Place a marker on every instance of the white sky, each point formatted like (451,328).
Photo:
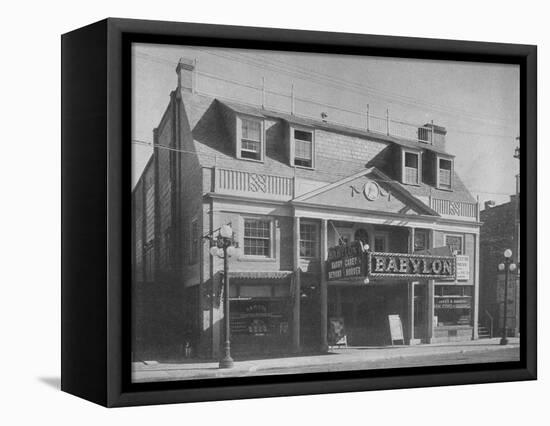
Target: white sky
(477,103)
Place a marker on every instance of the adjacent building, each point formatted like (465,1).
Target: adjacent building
(500,231)
(293,189)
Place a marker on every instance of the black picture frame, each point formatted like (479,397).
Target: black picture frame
(96,205)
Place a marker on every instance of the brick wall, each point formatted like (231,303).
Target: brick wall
(497,235)
(137,217)
(164,158)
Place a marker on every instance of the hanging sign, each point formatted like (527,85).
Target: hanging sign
(401,265)
(346,261)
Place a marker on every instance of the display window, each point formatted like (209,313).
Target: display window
(453,305)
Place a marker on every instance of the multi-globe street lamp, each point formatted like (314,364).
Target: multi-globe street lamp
(224,246)
(507,266)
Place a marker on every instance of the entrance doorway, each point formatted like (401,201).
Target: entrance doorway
(310,317)
(365,310)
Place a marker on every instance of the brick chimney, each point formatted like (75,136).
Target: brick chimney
(432,134)
(186,74)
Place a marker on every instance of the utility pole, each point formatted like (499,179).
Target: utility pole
(517,218)
(517,225)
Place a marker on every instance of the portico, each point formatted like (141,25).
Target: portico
(404,226)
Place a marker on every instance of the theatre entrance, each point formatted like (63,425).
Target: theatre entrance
(364,310)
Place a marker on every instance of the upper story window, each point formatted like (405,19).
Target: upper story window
(309,245)
(444,173)
(411,167)
(250,140)
(257,237)
(455,243)
(420,240)
(304,150)
(381,241)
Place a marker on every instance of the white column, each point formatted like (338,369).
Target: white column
(410,293)
(297,287)
(324,286)
(430,290)
(475,296)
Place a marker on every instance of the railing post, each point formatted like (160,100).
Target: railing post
(215,184)
(432,136)
(263,92)
(388,121)
(294,194)
(195,76)
(292,100)
(368,118)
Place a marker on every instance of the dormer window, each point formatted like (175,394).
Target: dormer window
(411,167)
(250,141)
(302,148)
(444,173)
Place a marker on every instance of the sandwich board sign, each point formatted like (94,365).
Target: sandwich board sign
(396,328)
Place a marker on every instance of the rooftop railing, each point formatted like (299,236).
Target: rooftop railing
(295,104)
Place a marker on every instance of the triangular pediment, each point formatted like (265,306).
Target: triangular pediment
(369,190)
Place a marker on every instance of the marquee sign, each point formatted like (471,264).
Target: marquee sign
(415,266)
(353,261)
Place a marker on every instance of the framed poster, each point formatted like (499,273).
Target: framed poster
(229,192)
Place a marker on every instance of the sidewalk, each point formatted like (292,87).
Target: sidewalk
(353,358)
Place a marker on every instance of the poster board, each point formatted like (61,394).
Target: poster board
(462,268)
(336,332)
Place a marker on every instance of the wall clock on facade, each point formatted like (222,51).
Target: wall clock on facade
(371,190)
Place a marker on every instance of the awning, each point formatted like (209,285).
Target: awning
(253,275)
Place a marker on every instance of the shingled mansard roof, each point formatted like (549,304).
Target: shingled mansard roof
(210,136)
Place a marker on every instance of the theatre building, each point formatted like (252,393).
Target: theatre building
(339,229)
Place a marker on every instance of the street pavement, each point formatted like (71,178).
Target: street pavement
(341,359)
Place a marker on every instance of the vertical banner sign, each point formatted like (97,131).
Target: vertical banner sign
(462,268)
(346,261)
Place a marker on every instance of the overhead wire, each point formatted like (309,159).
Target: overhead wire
(304,99)
(341,83)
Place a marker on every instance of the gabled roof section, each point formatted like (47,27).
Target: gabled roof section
(350,192)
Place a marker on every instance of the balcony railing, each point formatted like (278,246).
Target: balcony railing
(261,185)
(253,184)
(458,209)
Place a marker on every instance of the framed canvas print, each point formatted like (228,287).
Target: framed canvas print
(252,212)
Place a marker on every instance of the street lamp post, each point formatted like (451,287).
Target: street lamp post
(507,266)
(224,246)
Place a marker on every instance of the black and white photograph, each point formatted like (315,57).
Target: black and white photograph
(275,214)
(298,213)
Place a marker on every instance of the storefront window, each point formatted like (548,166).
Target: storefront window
(452,305)
(257,318)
